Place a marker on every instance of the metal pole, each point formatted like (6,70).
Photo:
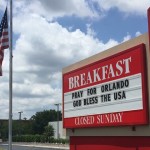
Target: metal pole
(10,79)
(20,114)
(20,122)
(57,120)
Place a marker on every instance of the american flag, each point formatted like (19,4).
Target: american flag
(4,38)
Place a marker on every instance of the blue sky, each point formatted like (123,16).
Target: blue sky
(115,25)
(52,34)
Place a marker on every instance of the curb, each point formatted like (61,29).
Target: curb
(38,146)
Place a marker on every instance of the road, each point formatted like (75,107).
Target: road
(30,147)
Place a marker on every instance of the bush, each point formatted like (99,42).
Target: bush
(38,138)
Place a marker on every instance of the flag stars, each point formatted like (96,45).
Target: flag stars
(4,23)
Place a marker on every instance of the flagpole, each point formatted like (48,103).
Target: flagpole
(10,78)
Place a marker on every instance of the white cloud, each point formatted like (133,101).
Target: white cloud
(74,7)
(138,33)
(3,5)
(135,7)
(127,37)
(42,48)
(90,31)
(52,9)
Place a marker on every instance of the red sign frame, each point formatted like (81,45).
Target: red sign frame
(133,117)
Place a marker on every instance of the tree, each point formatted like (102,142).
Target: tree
(22,127)
(41,119)
(49,132)
(4,130)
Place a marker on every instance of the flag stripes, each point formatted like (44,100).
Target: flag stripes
(4,38)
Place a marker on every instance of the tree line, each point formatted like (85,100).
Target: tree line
(36,125)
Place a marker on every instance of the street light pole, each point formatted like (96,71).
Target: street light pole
(58,119)
(20,112)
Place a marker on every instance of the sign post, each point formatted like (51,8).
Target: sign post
(148,15)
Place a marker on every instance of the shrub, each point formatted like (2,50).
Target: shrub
(38,138)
